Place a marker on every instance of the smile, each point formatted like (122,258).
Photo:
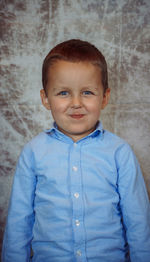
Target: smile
(77,116)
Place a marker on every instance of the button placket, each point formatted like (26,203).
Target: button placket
(77,202)
(79,253)
(77,222)
(75,168)
(76,195)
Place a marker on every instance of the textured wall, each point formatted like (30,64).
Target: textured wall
(120,29)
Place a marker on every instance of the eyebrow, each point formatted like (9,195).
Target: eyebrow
(91,88)
(60,88)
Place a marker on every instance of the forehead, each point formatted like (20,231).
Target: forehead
(74,71)
(65,68)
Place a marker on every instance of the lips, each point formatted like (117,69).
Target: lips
(77,116)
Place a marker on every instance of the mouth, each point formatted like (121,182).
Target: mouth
(77,116)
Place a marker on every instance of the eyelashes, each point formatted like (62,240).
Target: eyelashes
(88,93)
(67,93)
(63,93)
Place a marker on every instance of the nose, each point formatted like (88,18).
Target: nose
(76,102)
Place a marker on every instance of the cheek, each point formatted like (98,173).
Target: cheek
(58,106)
(94,107)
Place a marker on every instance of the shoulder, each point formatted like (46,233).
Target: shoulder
(123,155)
(37,144)
(114,140)
(38,140)
(122,151)
(113,137)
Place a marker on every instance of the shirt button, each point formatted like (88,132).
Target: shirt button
(79,253)
(77,223)
(76,195)
(74,168)
(75,144)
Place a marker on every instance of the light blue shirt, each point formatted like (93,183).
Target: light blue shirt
(78,202)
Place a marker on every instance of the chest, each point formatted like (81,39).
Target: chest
(67,168)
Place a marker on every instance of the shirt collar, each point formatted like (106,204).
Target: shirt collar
(61,136)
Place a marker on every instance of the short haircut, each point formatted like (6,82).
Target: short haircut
(75,50)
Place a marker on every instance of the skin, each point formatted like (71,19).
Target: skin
(75,97)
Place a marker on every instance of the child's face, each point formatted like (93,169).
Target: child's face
(75,97)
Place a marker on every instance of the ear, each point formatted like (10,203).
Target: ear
(44,99)
(106,98)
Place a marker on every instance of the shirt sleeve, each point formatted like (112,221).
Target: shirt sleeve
(135,206)
(18,230)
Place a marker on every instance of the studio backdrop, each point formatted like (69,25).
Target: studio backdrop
(29,29)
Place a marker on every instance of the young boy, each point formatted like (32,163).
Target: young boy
(78,192)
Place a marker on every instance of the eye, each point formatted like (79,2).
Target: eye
(87,92)
(63,93)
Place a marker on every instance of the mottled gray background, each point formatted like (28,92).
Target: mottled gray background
(29,29)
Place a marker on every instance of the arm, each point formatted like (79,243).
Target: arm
(135,205)
(18,231)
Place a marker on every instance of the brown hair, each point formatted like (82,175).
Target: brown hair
(75,50)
